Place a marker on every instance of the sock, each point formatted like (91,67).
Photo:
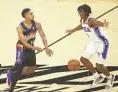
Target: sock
(110,76)
(96,75)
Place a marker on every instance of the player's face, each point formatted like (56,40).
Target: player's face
(82,14)
(30,15)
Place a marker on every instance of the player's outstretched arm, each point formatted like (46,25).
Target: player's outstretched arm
(93,22)
(79,27)
(44,40)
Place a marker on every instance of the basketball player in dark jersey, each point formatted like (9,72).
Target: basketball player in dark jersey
(25,54)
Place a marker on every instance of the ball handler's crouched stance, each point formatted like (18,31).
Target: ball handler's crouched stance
(25,49)
(98,44)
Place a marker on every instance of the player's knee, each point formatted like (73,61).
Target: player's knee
(82,59)
(28,70)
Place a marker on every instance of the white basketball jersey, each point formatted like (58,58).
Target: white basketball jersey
(94,33)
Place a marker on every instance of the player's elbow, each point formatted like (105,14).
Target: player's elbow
(24,42)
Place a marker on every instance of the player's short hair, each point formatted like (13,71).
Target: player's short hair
(86,8)
(24,11)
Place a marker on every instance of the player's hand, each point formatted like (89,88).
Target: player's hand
(38,49)
(106,23)
(49,52)
(69,32)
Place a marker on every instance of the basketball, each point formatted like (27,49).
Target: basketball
(73,65)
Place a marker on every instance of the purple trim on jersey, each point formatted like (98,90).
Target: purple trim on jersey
(105,42)
(33,27)
(19,56)
(24,27)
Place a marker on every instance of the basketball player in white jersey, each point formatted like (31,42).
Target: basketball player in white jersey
(99,44)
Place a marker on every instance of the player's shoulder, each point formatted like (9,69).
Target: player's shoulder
(19,27)
(91,22)
(38,24)
(20,24)
(91,19)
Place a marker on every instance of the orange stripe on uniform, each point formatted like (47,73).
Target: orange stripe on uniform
(20,46)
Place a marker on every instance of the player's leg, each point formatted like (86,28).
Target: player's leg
(30,62)
(90,50)
(102,49)
(13,76)
(86,62)
(14,73)
(102,53)
(105,71)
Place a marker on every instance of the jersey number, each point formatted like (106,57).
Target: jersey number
(87,29)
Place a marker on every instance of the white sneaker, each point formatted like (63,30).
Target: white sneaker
(110,82)
(96,81)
